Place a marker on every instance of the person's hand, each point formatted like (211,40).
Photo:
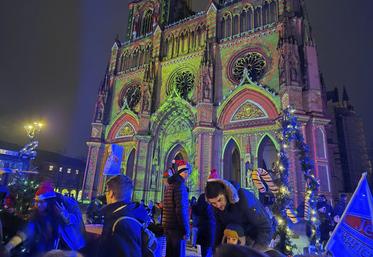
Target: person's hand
(61,209)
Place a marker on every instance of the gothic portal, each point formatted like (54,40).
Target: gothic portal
(208,87)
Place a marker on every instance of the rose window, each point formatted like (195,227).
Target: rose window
(184,83)
(254,63)
(131,97)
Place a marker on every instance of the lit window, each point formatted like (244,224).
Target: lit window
(60,169)
(51,167)
(69,170)
(76,172)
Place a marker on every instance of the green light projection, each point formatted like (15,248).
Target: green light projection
(265,43)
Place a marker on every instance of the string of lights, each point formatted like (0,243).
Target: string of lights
(290,136)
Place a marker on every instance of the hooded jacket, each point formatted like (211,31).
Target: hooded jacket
(176,206)
(43,232)
(125,240)
(243,209)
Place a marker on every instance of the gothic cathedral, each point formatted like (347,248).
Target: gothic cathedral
(208,87)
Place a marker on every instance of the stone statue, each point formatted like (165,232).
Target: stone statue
(100,107)
(207,86)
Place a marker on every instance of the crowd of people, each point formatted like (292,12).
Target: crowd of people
(226,220)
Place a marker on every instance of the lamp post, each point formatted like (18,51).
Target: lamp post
(29,150)
(33,129)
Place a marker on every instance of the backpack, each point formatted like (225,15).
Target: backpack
(149,241)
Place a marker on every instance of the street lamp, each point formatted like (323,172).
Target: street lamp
(33,129)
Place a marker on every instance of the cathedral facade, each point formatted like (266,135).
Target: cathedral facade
(208,87)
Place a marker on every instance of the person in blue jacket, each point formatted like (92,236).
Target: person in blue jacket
(122,237)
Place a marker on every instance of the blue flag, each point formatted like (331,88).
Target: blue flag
(114,160)
(353,235)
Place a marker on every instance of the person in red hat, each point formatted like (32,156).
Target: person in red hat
(56,222)
(175,220)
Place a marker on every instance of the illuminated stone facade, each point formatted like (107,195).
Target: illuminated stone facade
(208,88)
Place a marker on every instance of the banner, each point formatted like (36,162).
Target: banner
(114,160)
(353,235)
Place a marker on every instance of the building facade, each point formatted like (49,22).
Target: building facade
(347,137)
(208,87)
(65,173)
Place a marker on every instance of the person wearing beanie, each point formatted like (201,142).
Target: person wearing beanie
(55,222)
(175,220)
(234,205)
(234,235)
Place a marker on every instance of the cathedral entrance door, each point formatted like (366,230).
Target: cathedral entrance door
(130,164)
(267,154)
(232,162)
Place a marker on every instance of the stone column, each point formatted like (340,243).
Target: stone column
(141,166)
(204,150)
(92,172)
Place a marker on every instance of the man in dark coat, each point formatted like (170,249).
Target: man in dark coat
(241,207)
(175,219)
(121,237)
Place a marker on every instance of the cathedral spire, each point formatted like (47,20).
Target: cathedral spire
(345,97)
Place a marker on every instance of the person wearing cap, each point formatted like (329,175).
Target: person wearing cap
(238,206)
(234,235)
(55,223)
(175,220)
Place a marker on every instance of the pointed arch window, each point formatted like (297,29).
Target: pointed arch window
(193,40)
(147,22)
(166,47)
(235,25)
(320,143)
(249,18)
(257,17)
(141,57)
(222,28)
(228,28)
(148,52)
(199,37)
(272,12)
(243,23)
(122,62)
(265,13)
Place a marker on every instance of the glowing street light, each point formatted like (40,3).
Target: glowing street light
(33,129)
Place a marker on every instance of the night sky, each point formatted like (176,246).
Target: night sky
(53,56)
